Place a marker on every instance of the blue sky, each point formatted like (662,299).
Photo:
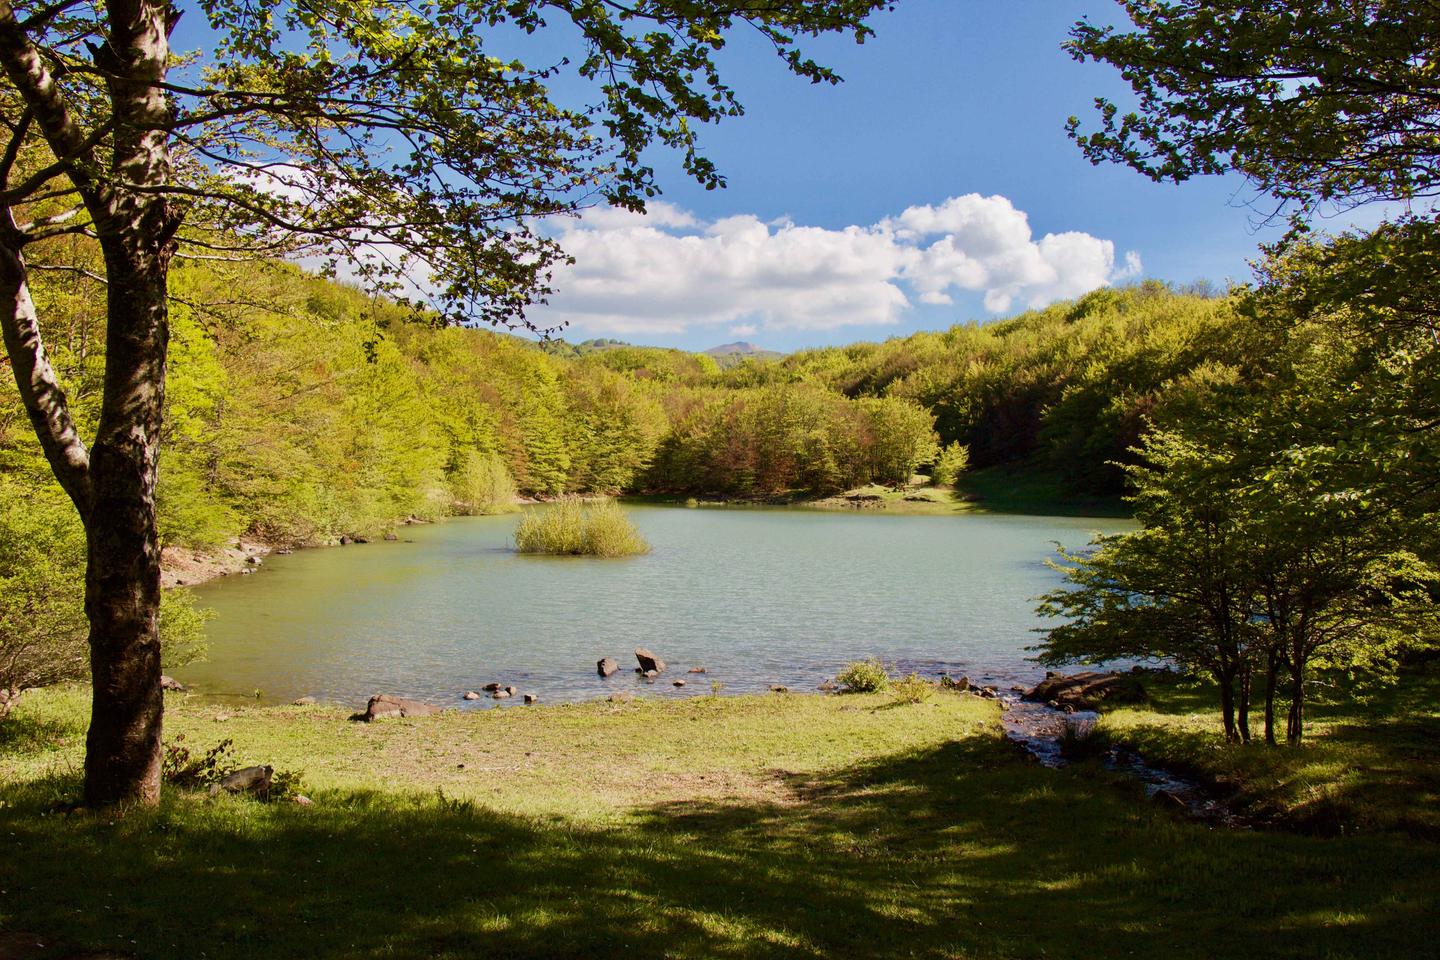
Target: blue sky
(949,99)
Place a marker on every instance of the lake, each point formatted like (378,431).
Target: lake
(756,596)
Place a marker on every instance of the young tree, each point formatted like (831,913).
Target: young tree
(383,135)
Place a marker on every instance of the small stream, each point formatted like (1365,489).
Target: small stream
(1040,731)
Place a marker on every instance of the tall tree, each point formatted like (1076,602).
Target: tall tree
(1314,101)
(382,135)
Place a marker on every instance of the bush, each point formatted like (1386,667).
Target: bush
(43,630)
(863,676)
(570,527)
(482,485)
(911,689)
(953,461)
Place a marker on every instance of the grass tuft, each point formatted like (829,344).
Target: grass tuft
(573,528)
(863,676)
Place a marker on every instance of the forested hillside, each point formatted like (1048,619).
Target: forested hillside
(299,409)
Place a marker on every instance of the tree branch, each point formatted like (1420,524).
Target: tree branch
(39,388)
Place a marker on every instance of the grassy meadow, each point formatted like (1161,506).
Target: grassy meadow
(767,826)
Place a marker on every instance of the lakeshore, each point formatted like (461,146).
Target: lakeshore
(761,826)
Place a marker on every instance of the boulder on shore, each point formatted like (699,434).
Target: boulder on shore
(254,780)
(383,705)
(648,661)
(304,702)
(1087,690)
(170,683)
(606,666)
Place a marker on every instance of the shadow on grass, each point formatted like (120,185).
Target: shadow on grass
(1363,765)
(961,850)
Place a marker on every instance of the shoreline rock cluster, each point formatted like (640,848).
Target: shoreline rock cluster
(1086,691)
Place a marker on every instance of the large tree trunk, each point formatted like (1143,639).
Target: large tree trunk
(122,583)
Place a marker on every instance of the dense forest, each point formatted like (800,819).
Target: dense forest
(299,409)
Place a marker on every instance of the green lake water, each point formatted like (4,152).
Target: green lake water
(757,597)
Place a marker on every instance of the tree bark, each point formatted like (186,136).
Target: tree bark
(1272,666)
(122,581)
(1242,723)
(1227,705)
(1295,728)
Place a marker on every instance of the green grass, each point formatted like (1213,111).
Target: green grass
(1363,765)
(772,826)
(572,527)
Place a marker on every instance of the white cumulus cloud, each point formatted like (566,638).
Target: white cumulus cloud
(668,271)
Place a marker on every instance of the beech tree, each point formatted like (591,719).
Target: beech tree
(392,139)
(1314,101)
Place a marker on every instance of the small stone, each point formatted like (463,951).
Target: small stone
(501,694)
(678,683)
(651,674)
(696,670)
(470,695)
(253,560)
(779,688)
(606,666)
(304,702)
(300,800)
(531,698)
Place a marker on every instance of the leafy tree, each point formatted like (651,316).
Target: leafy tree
(954,459)
(376,134)
(1312,100)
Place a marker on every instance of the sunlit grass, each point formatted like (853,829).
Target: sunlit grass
(744,827)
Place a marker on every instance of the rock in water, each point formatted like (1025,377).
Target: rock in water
(531,698)
(1087,690)
(501,694)
(606,666)
(470,695)
(678,683)
(648,661)
(491,687)
(383,705)
(254,780)
(696,670)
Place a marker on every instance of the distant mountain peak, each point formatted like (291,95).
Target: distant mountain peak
(739,346)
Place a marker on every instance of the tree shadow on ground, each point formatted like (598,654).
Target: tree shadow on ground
(963,850)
